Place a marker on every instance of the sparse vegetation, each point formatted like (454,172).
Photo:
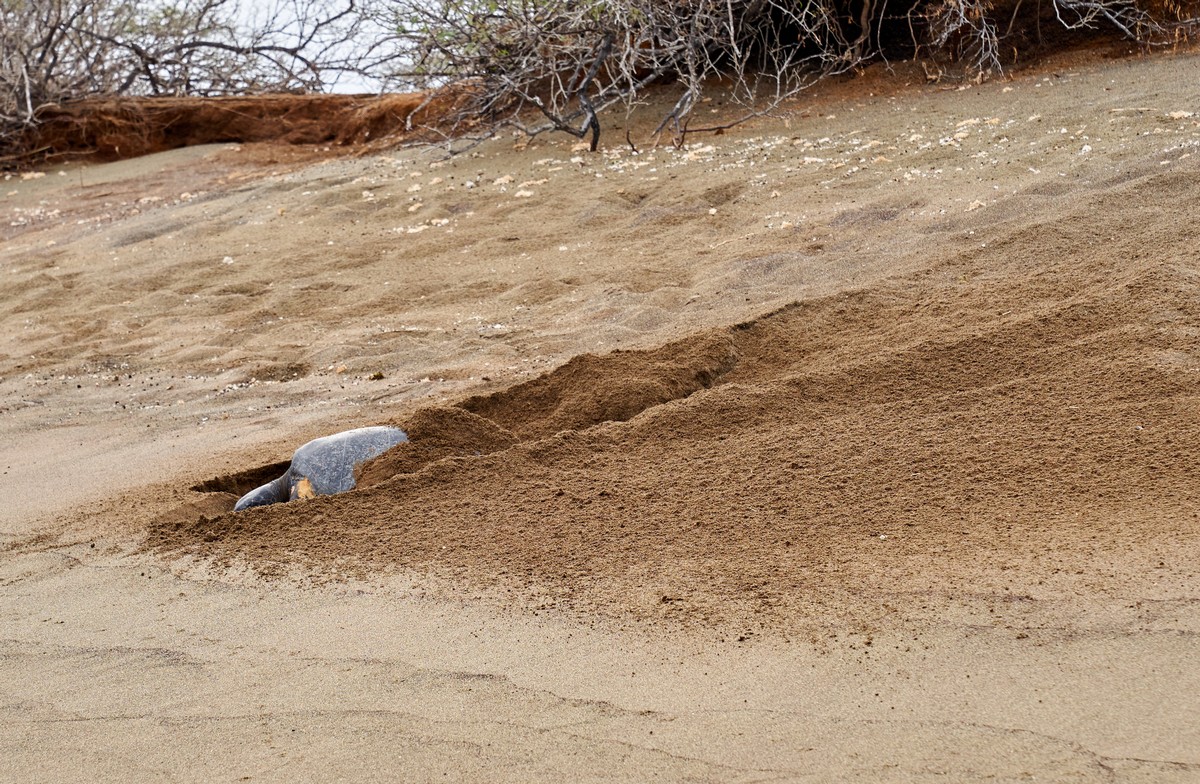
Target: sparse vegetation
(565,60)
(536,65)
(54,51)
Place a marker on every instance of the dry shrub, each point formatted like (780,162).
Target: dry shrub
(54,52)
(564,60)
(535,65)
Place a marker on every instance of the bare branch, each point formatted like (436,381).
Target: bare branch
(531,65)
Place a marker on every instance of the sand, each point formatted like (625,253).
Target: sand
(857,445)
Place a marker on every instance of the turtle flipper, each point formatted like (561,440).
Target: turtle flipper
(271,493)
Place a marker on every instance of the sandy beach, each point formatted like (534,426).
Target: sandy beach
(859,444)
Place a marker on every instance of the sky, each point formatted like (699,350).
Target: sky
(288,15)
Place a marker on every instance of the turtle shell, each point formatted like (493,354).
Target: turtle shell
(325,466)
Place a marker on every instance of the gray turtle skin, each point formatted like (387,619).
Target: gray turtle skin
(325,466)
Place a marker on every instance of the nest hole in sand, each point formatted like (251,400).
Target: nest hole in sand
(587,391)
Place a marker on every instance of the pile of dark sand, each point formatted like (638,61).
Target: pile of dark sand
(1026,405)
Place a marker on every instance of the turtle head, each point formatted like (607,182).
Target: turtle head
(302,488)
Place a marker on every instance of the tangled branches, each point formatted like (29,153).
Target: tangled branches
(53,51)
(535,65)
(569,59)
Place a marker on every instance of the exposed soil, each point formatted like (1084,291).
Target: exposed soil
(128,127)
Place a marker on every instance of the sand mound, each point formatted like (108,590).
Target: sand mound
(436,434)
(969,413)
(590,389)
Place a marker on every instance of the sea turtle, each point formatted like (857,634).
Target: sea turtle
(324,466)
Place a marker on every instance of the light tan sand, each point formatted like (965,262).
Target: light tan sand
(934,521)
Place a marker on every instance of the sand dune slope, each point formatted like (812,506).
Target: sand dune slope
(857,446)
